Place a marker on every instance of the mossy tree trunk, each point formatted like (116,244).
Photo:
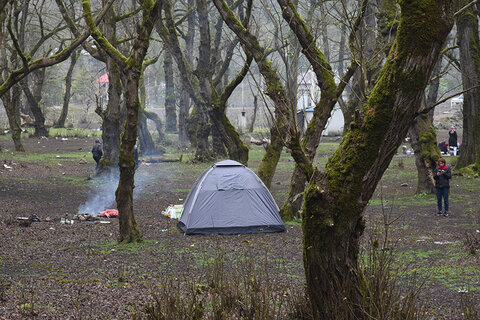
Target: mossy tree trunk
(132,68)
(60,123)
(335,200)
(469,44)
(424,144)
(170,108)
(424,139)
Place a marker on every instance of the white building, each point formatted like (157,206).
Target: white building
(308,95)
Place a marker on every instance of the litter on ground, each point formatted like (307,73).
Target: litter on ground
(173,211)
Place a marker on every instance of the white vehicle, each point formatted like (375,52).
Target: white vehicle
(457,101)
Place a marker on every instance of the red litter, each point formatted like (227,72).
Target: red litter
(109,213)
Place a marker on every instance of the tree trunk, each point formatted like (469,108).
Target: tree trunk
(170,108)
(254,115)
(203,152)
(468,40)
(424,144)
(209,106)
(129,231)
(34,97)
(11,101)
(217,144)
(68,86)
(147,145)
(330,93)
(185,102)
(158,123)
(111,124)
(424,140)
(332,216)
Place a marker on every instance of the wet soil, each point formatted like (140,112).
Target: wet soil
(51,270)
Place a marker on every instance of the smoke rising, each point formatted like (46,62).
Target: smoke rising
(102,195)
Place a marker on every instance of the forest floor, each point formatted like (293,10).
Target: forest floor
(50,270)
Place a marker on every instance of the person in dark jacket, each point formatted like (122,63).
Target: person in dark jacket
(452,140)
(442,177)
(97,152)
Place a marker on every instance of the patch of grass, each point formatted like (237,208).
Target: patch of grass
(44,158)
(76,181)
(74,132)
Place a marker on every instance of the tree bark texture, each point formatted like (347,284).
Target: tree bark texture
(334,200)
(68,88)
(468,41)
(170,108)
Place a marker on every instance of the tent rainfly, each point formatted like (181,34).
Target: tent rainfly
(229,198)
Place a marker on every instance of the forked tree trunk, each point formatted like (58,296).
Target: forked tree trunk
(334,201)
(209,106)
(330,93)
(468,40)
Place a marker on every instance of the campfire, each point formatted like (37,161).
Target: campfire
(107,213)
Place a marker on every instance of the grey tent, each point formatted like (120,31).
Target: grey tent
(229,198)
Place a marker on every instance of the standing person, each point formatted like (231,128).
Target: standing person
(442,177)
(452,140)
(97,152)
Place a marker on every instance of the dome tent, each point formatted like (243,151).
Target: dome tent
(229,198)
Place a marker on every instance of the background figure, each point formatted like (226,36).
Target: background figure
(452,140)
(97,152)
(442,177)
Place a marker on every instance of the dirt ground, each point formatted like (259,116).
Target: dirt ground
(50,270)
